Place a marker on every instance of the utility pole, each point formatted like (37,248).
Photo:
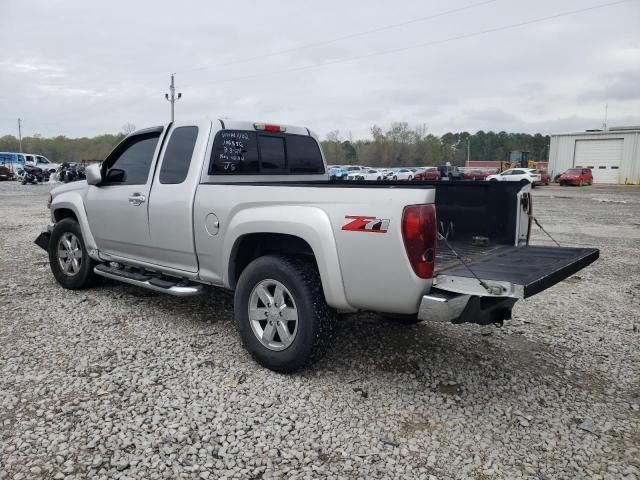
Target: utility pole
(20,134)
(606,112)
(468,150)
(171,96)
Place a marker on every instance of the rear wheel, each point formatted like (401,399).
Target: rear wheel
(281,314)
(68,257)
(395,178)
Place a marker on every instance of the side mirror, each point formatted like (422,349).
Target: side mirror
(93,174)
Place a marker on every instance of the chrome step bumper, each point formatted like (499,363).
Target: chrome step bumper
(145,281)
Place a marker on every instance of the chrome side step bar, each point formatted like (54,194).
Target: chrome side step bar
(144,280)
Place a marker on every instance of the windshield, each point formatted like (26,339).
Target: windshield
(573,171)
(351,169)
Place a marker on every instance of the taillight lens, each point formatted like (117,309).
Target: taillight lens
(419,235)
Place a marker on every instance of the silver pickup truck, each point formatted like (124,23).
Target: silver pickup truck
(249,207)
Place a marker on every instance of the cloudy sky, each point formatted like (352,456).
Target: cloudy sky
(82,68)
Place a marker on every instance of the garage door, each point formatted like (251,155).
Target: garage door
(602,156)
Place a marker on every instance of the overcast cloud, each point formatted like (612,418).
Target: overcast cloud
(82,68)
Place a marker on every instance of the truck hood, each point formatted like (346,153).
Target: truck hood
(80,185)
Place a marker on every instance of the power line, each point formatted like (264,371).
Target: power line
(430,43)
(339,39)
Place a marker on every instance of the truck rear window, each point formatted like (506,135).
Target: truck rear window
(245,152)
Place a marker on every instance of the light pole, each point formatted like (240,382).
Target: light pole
(468,150)
(171,96)
(20,133)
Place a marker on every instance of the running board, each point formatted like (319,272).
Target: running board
(145,280)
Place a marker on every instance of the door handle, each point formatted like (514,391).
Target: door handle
(137,199)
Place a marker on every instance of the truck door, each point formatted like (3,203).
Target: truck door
(117,207)
(172,194)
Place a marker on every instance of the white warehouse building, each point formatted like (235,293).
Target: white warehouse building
(613,154)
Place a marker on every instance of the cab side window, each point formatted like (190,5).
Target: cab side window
(177,156)
(130,164)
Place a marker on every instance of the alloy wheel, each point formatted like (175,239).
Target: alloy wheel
(273,315)
(69,252)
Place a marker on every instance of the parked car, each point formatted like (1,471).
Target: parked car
(449,172)
(515,175)
(430,174)
(474,174)
(337,172)
(6,173)
(545,177)
(387,173)
(576,176)
(402,174)
(162,214)
(371,174)
(42,162)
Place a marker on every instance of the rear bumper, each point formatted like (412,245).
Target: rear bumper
(443,306)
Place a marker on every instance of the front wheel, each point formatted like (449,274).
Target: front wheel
(395,178)
(281,314)
(410,178)
(68,257)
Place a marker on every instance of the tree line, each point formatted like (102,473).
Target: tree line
(401,145)
(398,145)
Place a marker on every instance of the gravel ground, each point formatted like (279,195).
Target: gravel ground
(119,382)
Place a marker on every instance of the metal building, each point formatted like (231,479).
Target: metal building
(613,154)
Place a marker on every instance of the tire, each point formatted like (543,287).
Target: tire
(395,178)
(76,278)
(401,319)
(410,178)
(379,178)
(303,296)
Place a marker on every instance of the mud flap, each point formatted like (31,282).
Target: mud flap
(43,240)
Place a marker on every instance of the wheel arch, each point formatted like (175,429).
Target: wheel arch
(289,230)
(71,205)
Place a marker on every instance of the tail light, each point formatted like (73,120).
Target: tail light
(419,234)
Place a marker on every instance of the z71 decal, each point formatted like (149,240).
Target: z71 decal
(359,223)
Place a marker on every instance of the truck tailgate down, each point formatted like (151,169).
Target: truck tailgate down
(509,271)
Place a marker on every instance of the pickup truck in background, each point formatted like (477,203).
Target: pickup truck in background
(450,172)
(249,207)
(42,162)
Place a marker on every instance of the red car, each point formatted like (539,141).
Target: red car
(476,174)
(428,174)
(576,176)
(545,178)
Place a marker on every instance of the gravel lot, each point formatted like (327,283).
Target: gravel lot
(119,382)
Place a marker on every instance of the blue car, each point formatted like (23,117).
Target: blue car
(337,172)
